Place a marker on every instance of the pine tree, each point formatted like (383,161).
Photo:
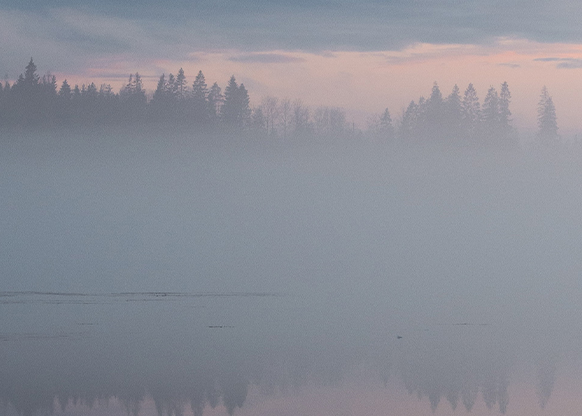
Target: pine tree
(547,121)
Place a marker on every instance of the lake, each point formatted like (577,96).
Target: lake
(173,274)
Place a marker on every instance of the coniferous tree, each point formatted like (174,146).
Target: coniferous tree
(30,75)
(229,108)
(133,100)
(547,120)
(409,121)
(89,100)
(65,91)
(385,125)
(471,111)
(65,95)
(491,115)
(454,114)
(504,113)
(200,105)
(433,121)
(236,110)
(170,86)
(158,108)
(180,86)
(215,100)
(244,106)
(27,96)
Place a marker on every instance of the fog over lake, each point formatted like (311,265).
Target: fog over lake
(161,272)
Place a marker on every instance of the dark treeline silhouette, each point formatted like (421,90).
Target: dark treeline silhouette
(38,101)
(458,119)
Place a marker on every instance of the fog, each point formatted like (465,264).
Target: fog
(195,270)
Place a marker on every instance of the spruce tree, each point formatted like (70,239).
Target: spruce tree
(408,124)
(244,116)
(454,114)
(491,114)
(180,86)
(385,125)
(434,120)
(200,105)
(504,113)
(30,75)
(215,100)
(471,111)
(547,121)
(230,107)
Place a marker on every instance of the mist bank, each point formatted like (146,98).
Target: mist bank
(444,268)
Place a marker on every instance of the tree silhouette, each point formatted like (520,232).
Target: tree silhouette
(386,125)
(236,111)
(491,114)
(547,121)
(200,105)
(215,100)
(471,112)
(270,106)
(301,115)
(409,122)
(434,117)
(454,114)
(504,113)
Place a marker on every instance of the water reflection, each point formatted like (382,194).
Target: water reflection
(81,359)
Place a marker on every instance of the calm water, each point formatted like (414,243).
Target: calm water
(163,275)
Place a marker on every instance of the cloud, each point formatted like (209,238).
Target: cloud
(547,59)
(563,63)
(266,58)
(69,35)
(310,26)
(570,64)
(510,65)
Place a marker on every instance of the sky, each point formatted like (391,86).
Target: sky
(363,56)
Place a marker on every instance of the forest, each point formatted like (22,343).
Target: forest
(457,119)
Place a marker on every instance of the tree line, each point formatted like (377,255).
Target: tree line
(457,119)
(39,101)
